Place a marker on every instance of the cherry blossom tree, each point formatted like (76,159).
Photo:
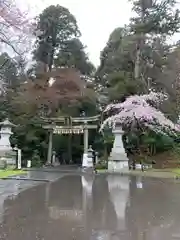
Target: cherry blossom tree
(15,27)
(141,110)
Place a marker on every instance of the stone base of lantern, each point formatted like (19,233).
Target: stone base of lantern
(7,159)
(118,163)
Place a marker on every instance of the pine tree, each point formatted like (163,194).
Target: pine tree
(153,19)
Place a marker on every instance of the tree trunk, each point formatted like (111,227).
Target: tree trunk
(141,41)
(137,64)
(51,60)
(133,163)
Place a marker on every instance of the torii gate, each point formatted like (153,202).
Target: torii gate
(83,127)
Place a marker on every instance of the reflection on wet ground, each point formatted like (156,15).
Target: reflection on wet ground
(51,176)
(93,207)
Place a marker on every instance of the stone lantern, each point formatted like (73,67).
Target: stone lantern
(118,160)
(7,155)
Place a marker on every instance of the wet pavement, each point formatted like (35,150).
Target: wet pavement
(44,175)
(39,175)
(93,207)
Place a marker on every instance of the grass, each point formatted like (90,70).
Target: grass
(176,170)
(10,172)
(165,170)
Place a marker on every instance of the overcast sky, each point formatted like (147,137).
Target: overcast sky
(96,19)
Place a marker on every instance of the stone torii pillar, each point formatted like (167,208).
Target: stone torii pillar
(87,162)
(86,138)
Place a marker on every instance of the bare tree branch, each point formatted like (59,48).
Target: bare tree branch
(14,27)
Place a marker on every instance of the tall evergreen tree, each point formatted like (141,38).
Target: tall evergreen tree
(72,54)
(139,51)
(55,26)
(153,19)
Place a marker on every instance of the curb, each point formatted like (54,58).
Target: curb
(51,171)
(25,179)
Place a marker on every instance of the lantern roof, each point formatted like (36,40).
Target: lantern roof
(7,123)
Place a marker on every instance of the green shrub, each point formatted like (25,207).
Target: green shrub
(149,142)
(36,159)
(101,165)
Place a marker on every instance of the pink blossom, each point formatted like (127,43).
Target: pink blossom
(139,107)
(138,100)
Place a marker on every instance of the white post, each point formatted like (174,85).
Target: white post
(97,158)
(86,137)
(29,164)
(118,160)
(49,157)
(19,158)
(53,158)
